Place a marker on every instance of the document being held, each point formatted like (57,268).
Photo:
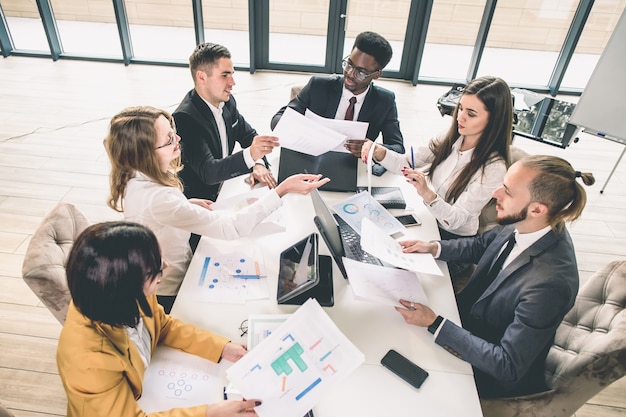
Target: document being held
(292,369)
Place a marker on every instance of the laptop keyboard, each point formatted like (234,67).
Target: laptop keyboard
(352,244)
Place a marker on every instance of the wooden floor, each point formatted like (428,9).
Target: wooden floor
(53,117)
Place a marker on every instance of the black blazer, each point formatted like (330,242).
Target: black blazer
(322,94)
(205,166)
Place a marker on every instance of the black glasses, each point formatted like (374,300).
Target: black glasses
(359,74)
(172,141)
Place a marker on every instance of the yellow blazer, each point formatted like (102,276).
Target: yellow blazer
(102,370)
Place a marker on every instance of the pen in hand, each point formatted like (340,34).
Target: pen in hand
(412,159)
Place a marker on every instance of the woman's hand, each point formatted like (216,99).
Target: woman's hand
(202,203)
(233,351)
(231,408)
(301,184)
(379,151)
(418,180)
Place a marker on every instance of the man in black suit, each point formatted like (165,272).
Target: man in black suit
(209,125)
(330,96)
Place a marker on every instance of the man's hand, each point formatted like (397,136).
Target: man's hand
(262,145)
(354,146)
(260,174)
(416,313)
(411,246)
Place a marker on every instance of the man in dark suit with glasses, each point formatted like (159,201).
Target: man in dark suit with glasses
(353,96)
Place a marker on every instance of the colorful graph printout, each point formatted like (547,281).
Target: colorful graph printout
(363,206)
(293,367)
(231,274)
(179,379)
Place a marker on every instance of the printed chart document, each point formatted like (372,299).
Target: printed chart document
(378,243)
(271,224)
(382,284)
(351,129)
(305,135)
(231,272)
(363,206)
(296,364)
(178,379)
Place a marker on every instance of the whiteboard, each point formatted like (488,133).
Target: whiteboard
(601,108)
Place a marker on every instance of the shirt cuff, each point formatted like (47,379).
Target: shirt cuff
(432,203)
(438,250)
(247,158)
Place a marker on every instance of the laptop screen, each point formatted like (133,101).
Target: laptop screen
(325,222)
(298,268)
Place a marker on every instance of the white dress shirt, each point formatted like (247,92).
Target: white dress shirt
(344,102)
(460,218)
(221,128)
(167,212)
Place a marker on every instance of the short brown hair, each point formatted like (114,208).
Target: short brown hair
(205,56)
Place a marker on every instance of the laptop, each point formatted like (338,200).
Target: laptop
(340,167)
(304,274)
(341,239)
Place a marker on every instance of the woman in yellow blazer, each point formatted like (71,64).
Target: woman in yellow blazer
(114,323)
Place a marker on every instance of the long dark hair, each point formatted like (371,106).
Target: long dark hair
(107,268)
(494,143)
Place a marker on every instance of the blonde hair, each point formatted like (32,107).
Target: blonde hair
(131,144)
(555,186)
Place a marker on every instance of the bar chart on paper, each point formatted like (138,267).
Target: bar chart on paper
(231,275)
(292,367)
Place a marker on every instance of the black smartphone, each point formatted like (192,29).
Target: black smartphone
(404,368)
(409,220)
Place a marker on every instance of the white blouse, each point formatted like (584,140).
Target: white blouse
(460,218)
(169,214)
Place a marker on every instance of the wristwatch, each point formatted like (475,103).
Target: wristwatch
(435,325)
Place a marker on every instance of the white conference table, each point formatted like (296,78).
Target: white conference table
(373,328)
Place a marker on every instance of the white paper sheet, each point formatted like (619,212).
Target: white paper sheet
(231,273)
(271,224)
(293,367)
(379,244)
(178,379)
(351,129)
(294,131)
(361,206)
(382,284)
(261,326)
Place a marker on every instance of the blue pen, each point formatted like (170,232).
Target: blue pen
(412,159)
(241,276)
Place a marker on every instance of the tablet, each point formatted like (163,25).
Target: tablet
(298,270)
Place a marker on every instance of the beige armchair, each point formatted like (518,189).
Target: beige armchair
(44,263)
(588,354)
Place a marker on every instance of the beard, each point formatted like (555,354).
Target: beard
(513,218)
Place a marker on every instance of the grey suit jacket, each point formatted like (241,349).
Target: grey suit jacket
(205,166)
(322,94)
(508,331)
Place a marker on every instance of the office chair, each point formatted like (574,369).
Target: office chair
(588,354)
(43,268)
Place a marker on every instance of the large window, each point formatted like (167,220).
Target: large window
(25,25)
(525,39)
(87,27)
(545,45)
(452,31)
(226,23)
(598,30)
(298,31)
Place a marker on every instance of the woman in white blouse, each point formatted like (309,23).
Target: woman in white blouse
(144,151)
(465,164)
